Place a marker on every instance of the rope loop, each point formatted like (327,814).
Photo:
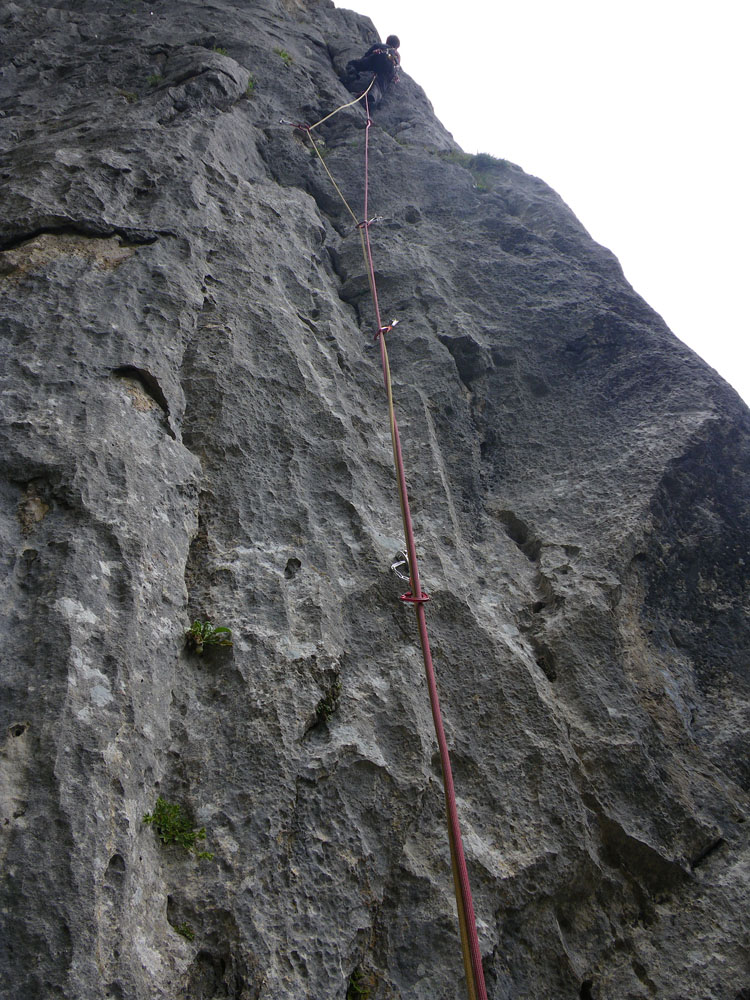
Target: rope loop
(409,598)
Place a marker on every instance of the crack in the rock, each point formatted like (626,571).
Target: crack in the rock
(706,852)
(90,230)
(520,533)
(150,386)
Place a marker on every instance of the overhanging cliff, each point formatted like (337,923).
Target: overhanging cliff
(194,427)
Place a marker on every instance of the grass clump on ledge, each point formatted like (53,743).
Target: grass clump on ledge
(173,827)
(481,165)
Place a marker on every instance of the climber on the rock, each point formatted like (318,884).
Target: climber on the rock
(381,59)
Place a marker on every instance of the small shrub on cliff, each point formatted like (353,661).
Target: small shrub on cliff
(202,634)
(486,161)
(173,827)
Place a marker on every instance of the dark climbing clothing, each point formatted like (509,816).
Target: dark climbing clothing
(380,59)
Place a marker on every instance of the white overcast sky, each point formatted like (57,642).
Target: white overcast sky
(635,113)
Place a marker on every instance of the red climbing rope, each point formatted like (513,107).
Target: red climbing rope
(465,906)
(466,919)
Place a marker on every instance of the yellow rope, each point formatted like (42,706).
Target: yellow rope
(348,208)
(330,177)
(356,99)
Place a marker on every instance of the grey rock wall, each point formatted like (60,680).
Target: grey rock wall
(194,427)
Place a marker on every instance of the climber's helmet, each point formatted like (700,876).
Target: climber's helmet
(393,41)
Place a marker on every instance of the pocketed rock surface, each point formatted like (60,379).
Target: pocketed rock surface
(194,427)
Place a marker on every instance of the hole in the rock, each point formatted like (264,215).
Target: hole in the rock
(293,566)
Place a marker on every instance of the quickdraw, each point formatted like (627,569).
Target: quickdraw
(382,330)
(369,222)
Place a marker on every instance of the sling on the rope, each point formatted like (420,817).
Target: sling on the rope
(472,957)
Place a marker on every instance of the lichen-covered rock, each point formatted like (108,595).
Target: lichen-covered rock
(195,428)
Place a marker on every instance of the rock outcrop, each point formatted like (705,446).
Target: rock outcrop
(194,428)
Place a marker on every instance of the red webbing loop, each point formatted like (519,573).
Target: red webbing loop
(409,598)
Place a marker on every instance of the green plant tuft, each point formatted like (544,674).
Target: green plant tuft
(219,49)
(284,55)
(173,827)
(202,634)
(456,156)
(186,930)
(329,703)
(359,986)
(250,88)
(154,80)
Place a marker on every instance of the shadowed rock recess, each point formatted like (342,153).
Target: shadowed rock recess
(195,427)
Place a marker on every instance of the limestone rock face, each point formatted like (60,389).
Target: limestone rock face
(194,427)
